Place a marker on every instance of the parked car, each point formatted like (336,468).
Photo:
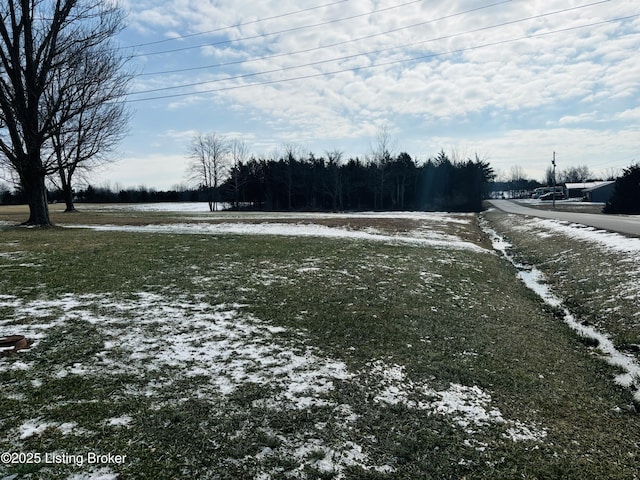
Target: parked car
(549,196)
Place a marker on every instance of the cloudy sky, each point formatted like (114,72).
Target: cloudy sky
(512,81)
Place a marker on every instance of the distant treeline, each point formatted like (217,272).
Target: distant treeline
(392,183)
(93,194)
(320,184)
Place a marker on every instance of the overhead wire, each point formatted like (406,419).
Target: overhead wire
(241,24)
(286,30)
(331,45)
(391,62)
(361,54)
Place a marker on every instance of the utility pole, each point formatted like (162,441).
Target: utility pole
(553,195)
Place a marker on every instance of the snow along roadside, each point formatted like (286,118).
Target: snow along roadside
(535,280)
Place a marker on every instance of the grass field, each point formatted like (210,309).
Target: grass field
(318,346)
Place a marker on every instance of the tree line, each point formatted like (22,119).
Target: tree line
(292,181)
(318,184)
(326,183)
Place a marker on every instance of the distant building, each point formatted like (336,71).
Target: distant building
(600,193)
(577,190)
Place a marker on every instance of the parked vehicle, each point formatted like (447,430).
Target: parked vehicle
(542,191)
(550,196)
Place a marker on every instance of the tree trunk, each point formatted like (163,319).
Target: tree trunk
(65,181)
(36,192)
(67,192)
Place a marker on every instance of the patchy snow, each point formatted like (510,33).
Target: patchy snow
(37,426)
(328,460)
(535,280)
(613,241)
(284,224)
(33,427)
(220,348)
(469,406)
(123,421)
(20,365)
(68,428)
(183,207)
(215,341)
(291,229)
(203,207)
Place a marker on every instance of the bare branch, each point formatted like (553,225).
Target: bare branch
(209,154)
(58,70)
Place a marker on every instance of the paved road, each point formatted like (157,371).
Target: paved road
(627,224)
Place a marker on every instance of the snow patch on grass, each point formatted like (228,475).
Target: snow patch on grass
(203,208)
(33,427)
(295,230)
(468,406)
(37,426)
(613,241)
(151,333)
(123,421)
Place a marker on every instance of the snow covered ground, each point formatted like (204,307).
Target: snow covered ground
(185,207)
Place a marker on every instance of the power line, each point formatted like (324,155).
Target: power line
(220,29)
(362,54)
(392,62)
(268,34)
(331,45)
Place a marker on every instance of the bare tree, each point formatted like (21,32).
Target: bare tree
(209,155)
(519,180)
(548,176)
(239,153)
(611,173)
(516,174)
(39,42)
(91,119)
(380,156)
(577,174)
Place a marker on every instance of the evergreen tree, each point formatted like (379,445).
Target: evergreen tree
(626,196)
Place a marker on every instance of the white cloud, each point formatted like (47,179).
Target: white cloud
(630,114)
(516,100)
(575,119)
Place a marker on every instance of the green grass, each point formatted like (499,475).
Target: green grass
(445,316)
(599,286)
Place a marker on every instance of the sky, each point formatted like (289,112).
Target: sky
(511,81)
